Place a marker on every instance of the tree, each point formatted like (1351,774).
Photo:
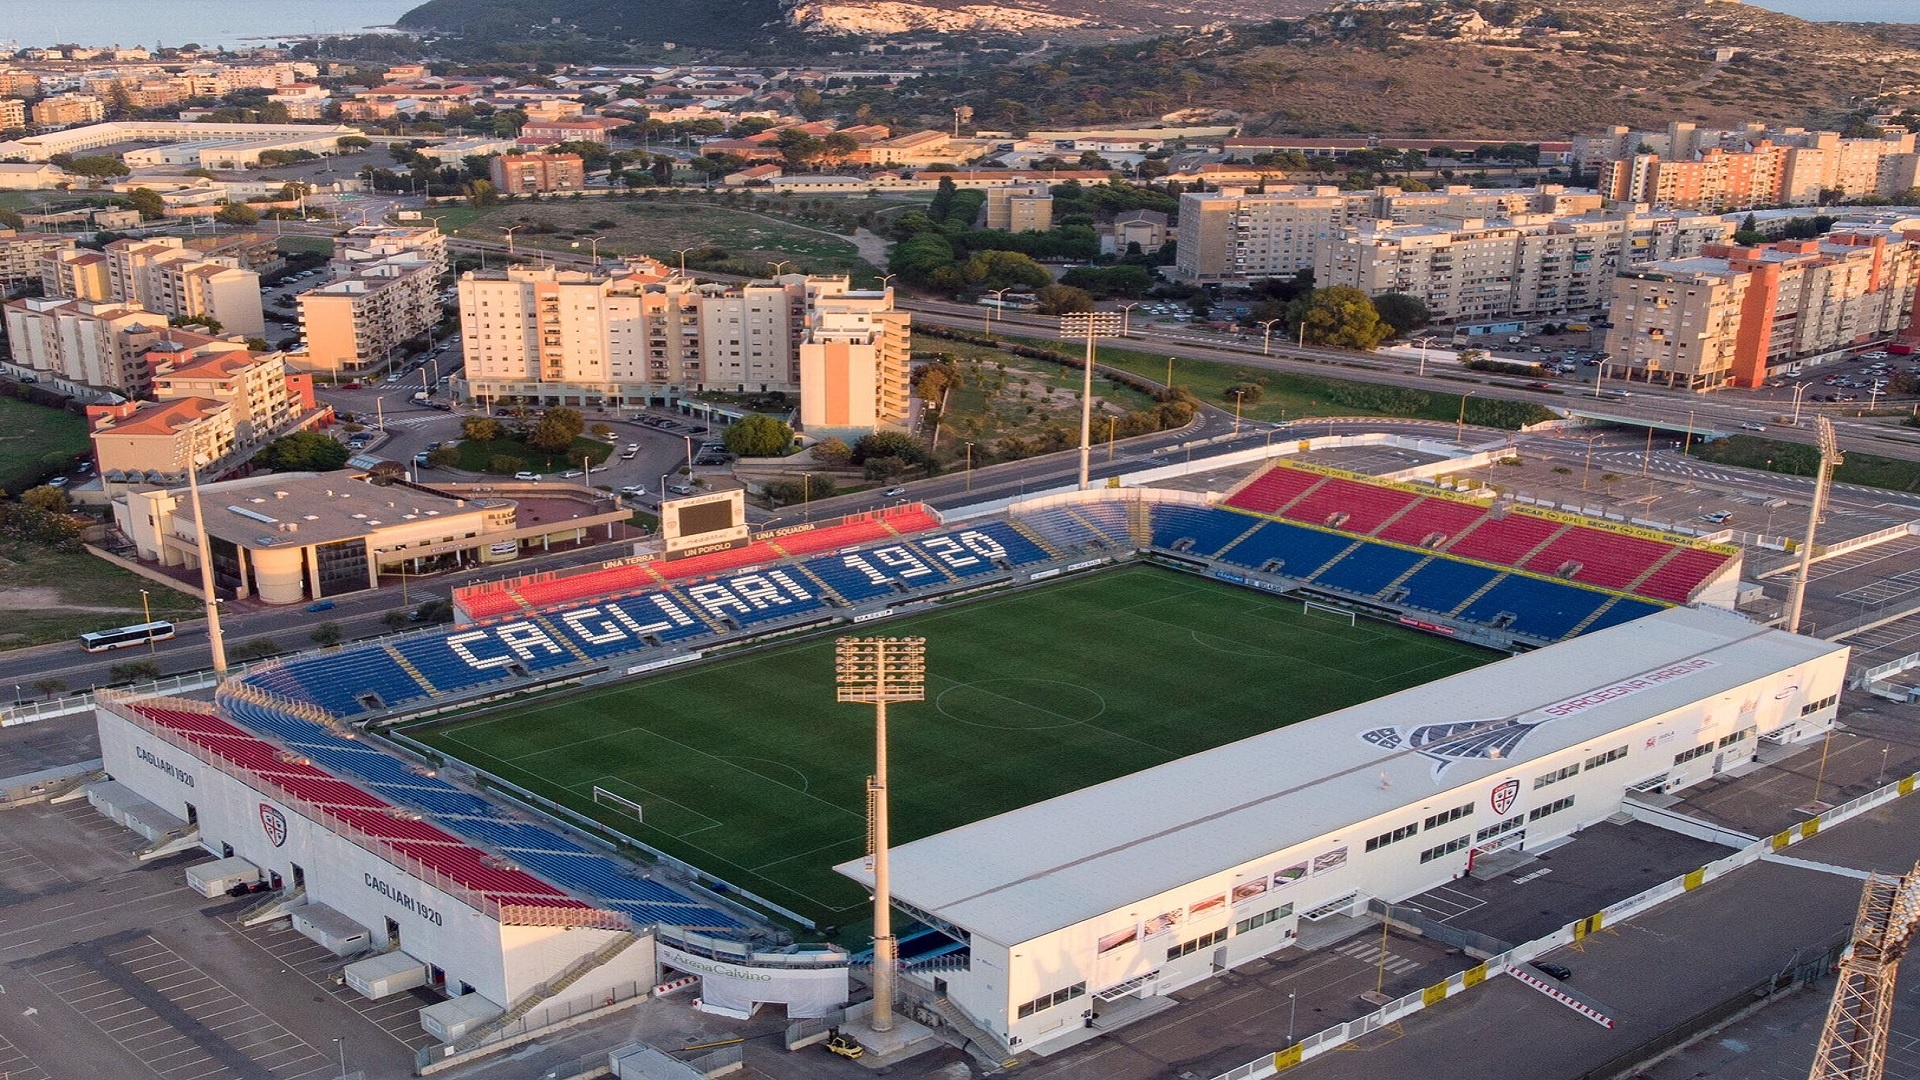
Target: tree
(759,436)
(555,431)
(832,451)
(479,429)
(50,687)
(1341,316)
(443,457)
(1403,314)
(148,202)
(888,444)
(234,213)
(1062,299)
(353,142)
(100,167)
(302,451)
(327,633)
(45,498)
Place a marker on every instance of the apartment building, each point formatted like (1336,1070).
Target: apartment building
(522,174)
(1733,316)
(13,113)
(21,254)
(644,336)
(1527,266)
(384,292)
(213,398)
(84,344)
(1023,208)
(855,364)
(161,274)
(1752,166)
(1232,235)
(66,110)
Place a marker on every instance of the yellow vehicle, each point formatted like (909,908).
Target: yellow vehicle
(844,1045)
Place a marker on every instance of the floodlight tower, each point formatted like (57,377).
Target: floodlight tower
(880,670)
(1830,459)
(1092,324)
(1853,1043)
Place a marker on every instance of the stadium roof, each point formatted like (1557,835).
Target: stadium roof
(1025,873)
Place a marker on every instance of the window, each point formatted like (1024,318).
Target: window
(1444,816)
(1614,754)
(1501,829)
(1554,777)
(1815,706)
(1263,919)
(1048,1001)
(1688,755)
(1555,807)
(1384,839)
(1201,942)
(1443,850)
(1742,735)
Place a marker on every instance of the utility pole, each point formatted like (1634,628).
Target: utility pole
(880,670)
(1830,459)
(1092,324)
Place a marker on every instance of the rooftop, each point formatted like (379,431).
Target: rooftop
(1028,872)
(316,508)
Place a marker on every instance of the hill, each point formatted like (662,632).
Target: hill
(715,24)
(1493,69)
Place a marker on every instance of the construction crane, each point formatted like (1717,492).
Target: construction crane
(1853,1044)
(1830,459)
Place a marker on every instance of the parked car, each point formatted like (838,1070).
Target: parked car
(1558,971)
(633,489)
(571,473)
(523,475)
(894,492)
(320,605)
(1750,426)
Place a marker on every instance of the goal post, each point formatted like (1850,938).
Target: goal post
(1309,607)
(620,804)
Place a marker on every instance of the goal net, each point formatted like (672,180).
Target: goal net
(620,805)
(1327,611)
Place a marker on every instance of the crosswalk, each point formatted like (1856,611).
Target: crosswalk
(1369,952)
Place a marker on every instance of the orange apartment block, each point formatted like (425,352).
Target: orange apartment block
(521,174)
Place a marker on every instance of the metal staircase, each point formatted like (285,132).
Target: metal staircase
(547,991)
(276,906)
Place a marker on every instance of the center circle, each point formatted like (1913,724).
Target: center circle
(1011,704)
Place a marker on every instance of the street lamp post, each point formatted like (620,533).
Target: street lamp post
(1092,324)
(969,466)
(777,271)
(510,231)
(1423,343)
(999,300)
(593,246)
(880,670)
(215,642)
(1266,338)
(1460,422)
(146,615)
(1797,391)
(683,256)
(1126,312)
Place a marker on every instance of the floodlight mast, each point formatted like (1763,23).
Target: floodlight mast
(1093,324)
(880,670)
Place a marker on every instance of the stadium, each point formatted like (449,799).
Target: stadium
(1166,733)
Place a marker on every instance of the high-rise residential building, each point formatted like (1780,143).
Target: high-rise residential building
(1233,235)
(13,113)
(66,110)
(1020,208)
(215,402)
(77,344)
(644,336)
(20,255)
(385,292)
(162,274)
(855,364)
(1733,316)
(1527,266)
(523,174)
(1690,169)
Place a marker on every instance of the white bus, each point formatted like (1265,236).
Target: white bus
(126,636)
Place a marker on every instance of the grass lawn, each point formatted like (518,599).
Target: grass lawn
(747,768)
(515,456)
(1291,397)
(657,226)
(35,439)
(49,596)
(1002,394)
(1800,459)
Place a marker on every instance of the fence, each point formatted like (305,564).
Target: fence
(1340,1034)
(535,1023)
(28,712)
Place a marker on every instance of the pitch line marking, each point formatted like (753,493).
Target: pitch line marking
(1067,721)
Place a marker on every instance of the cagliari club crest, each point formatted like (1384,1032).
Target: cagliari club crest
(275,824)
(1503,795)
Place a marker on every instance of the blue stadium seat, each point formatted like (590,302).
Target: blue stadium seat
(1542,609)
(1109,517)
(443,667)
(1020,551)
(1300,550)
(1444,584)
(1369,569)
(1623,610)
(1209,530)
(1059,527)
(851,584)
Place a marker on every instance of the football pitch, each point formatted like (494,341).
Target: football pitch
(747,768)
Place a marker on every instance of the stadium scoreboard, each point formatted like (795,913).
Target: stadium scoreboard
(701,523)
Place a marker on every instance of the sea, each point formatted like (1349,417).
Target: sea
(233,23)
(1846,10)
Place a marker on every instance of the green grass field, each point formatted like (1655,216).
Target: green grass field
(747,768)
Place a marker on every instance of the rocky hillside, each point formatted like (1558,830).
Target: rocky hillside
(1495,68)
(880,18)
